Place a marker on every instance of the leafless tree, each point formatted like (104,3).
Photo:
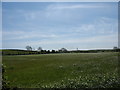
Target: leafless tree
(29,48)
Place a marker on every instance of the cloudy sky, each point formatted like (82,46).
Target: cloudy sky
(53,25)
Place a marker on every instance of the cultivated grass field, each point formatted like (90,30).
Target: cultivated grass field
(65,70)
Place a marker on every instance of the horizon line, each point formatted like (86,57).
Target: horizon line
(57,49)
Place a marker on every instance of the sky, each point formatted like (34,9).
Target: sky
(54,25)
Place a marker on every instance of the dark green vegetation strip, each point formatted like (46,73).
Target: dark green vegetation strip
(70,70)
(28,52)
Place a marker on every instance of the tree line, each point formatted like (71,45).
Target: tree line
(29,50)
(39,49)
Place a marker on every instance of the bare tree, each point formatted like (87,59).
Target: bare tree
(29,48)
(39,48)
(63,50)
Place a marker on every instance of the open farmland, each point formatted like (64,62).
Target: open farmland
(65,70)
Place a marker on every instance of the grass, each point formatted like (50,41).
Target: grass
(71,70)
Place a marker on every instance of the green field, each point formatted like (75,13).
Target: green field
(72,70)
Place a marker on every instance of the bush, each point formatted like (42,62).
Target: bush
(5,83)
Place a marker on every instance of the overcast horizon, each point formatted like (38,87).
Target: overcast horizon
(53,25)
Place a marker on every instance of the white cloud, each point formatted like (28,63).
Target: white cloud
(15,32)
(22,35)
(107,41)
(102,25)
(105,29)
(94,39)
(102,31)
(77,6)
(60,0)
(30,16)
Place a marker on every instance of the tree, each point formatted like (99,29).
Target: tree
(33,49)
(48,51)
(29,48)
(39,48)
(53,51)
(115,48)
(63,50)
